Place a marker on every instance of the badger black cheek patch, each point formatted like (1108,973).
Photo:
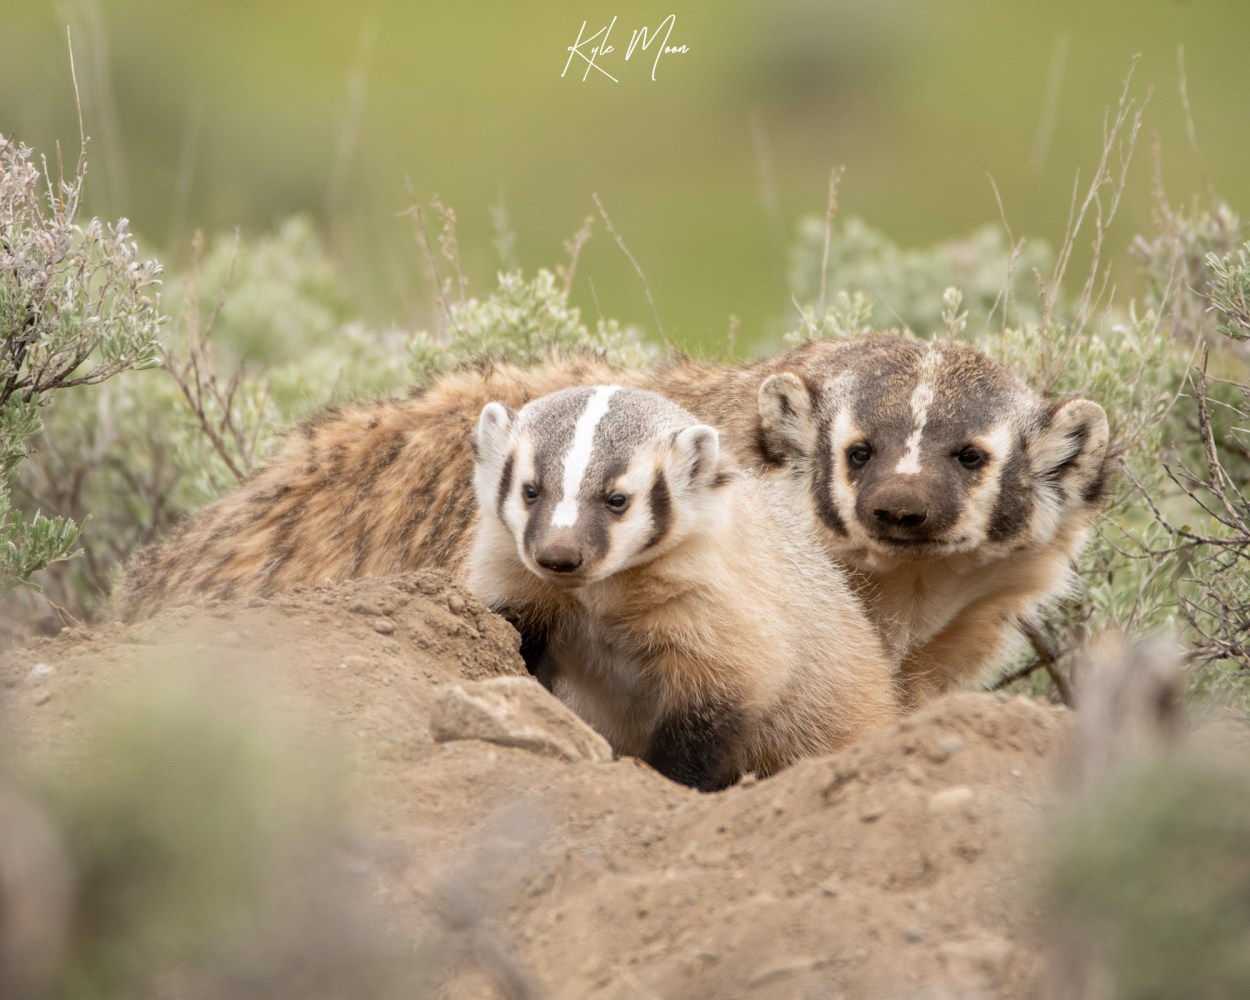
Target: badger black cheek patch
(505,483)
(537,520)
(660,502)
(1014,505)
(822,483)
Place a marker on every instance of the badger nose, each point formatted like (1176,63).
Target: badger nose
(901,515)
(558,558)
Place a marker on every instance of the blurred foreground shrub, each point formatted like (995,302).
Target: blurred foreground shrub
(1149,882)
(202,846)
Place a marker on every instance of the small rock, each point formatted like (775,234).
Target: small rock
(982,961)
(384,626)
(829,887)
(455,603)
(949,798)
(946,749)
(43,697)
(871,811)
(365,608)
(40,672)
(514,712)
(353,662)
(952,745)
(913,934)
(785,969)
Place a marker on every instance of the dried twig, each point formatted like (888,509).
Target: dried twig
(645,286)
(1047,658)
(197,379)
(831,209)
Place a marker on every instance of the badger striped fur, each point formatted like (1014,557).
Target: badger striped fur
(386,486)
(692,620)
(956,493)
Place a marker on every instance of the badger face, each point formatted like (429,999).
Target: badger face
(594,480)
(917,451)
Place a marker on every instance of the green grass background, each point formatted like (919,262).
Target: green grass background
(216,115)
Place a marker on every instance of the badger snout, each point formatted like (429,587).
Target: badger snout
(901,512)
(559,557)
(901,515)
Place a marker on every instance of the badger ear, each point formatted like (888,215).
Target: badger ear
(494,426)
(695,451)
(787,426)
(1072,452)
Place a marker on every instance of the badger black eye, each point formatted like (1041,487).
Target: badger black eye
(529,492)
(857,455)
(617,502)
(971,458)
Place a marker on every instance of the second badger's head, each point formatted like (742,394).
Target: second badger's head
(593,480)
(911,450)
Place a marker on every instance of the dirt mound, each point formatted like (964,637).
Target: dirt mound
(900,867)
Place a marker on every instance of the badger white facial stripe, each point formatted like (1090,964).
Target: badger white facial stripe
(921,400)
(577,459)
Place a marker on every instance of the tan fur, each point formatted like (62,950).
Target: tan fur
(950,613)
(369,489)
(756,616)
(960,616)
(739,617)
(385,486)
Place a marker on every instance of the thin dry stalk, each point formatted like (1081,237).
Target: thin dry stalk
(573,247)
(767,177)
(1099,204)
(504,235)
(353,117)
(1013,261)
(212,402)
(1046,657)
(422,232)
(646,287)
(1050,102)
(831,209)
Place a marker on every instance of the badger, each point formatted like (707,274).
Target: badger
(692,620)
(958,495)
(978,543)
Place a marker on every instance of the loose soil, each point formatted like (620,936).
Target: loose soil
(901,867)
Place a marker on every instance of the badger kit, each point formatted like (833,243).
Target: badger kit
(722,568)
